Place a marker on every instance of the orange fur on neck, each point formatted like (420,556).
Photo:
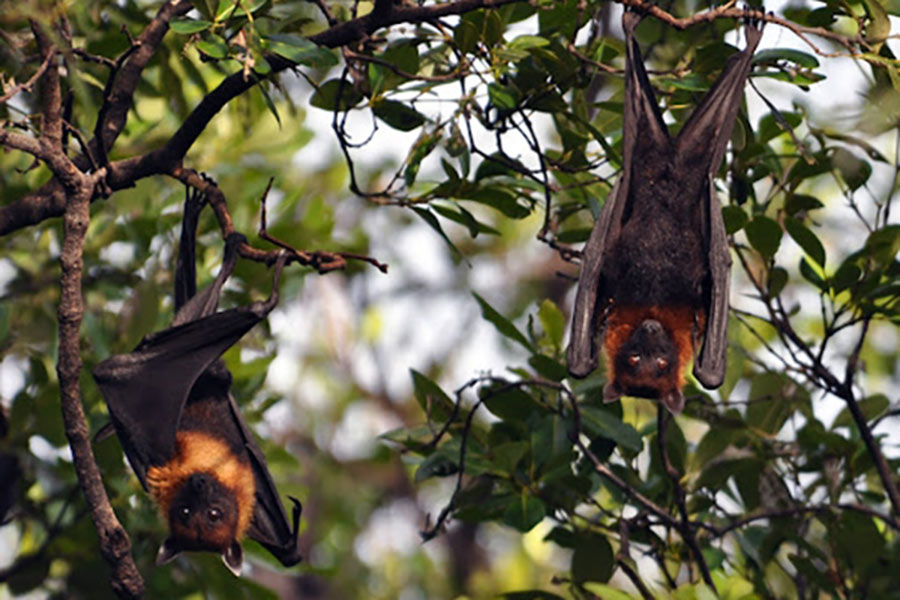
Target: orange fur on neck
(678,322)
(197,451)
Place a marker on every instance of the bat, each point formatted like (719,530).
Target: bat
(656,267)
(182,431)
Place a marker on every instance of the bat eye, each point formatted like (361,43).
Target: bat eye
(661,364)
(634,360)
(184,512)
(214,514)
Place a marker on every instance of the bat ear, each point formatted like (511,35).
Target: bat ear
(611,392)
(167,552)
(233,557)
(674,401)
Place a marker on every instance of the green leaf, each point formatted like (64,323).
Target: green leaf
(336,95)
(398,115)
(854,171)
(735,218)
(846,275)
(764,234)
(501,199)
(527,42)
(503,325)
(801,202)
(467,33)
(301,51)
(510,405)
(773,55)
(438,464)
(553,322)
(811,274)
(879,26)
(226,7)
(772,125)
(502,96)
(425,144)
(598,421)
(214,47)
(806,239)
(857,540)
(778,278)
(507,456)
(883,245)
(524,512)
(464,218)
(592,559)
(774,397)
(187,26)
(558,18)
(269,103)
(548,367)
(436,404)
(871,407)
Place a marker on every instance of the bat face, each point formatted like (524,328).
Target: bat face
(648,350)
(646,360)
(206,491)
(204,514)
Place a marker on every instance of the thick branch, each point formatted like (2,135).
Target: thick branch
(121,96)
(18,141)
(114,543)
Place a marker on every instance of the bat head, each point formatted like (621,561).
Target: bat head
(646,365)
(203,515)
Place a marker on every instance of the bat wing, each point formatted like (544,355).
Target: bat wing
(708,127)
(269,525)
(643,132)
(582,352)
(709,368)
(146,389)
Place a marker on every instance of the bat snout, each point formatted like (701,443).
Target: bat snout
(652,327)
(200,483)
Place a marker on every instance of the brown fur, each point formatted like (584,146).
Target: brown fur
(680,324)
(197,451)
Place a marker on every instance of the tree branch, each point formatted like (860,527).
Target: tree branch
(114,543)
(685,527)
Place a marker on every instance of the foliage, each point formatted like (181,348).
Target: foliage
(497,134)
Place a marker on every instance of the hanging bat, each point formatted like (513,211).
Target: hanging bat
(181,429)
(656,267)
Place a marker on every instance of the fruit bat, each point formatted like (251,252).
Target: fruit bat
(656,266)
(181,429)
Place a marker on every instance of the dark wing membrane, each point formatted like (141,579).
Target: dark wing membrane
(708,127)
(643,131)
(185,267)
(642,122)
(146,390)
(269,525)
(582,352)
